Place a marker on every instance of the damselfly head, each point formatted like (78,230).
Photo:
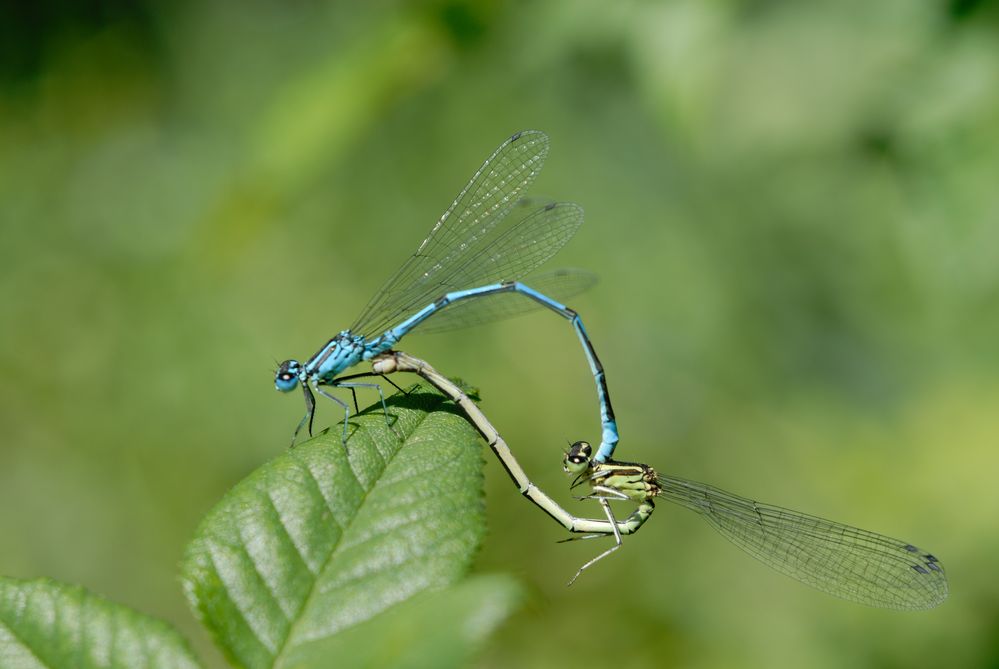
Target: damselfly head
(286,377)
(578,458)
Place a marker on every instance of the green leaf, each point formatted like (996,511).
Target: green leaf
(323,538)
(48,624)
(437,629)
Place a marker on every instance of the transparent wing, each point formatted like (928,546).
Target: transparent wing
(468,226)
(539,233)
(844,561)
(560,285)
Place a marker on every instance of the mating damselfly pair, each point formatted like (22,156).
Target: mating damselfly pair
(467,271)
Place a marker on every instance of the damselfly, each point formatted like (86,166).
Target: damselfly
(466,272)
(844,561)
(858,565)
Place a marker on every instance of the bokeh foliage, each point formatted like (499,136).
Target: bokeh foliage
(791,206)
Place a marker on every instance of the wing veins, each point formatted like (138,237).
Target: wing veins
(845,561)
(483,203)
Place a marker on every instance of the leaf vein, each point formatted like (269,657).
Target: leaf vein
(239,605)
(328,502)
(284,529)
(391,566)
(422,418)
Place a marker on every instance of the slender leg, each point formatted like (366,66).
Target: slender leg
(364,375)
(310,412)
(346,410)
(381,396)
(605,493)
(617,539)
(301,423)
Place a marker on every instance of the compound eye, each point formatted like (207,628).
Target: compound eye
(286,377)
(580,452)
(577,459)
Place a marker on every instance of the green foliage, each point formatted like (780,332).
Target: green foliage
(48,624)
(435,629)
(322,538)
(293,567)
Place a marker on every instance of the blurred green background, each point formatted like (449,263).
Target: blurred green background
(792,207)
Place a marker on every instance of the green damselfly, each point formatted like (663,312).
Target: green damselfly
(844,561)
